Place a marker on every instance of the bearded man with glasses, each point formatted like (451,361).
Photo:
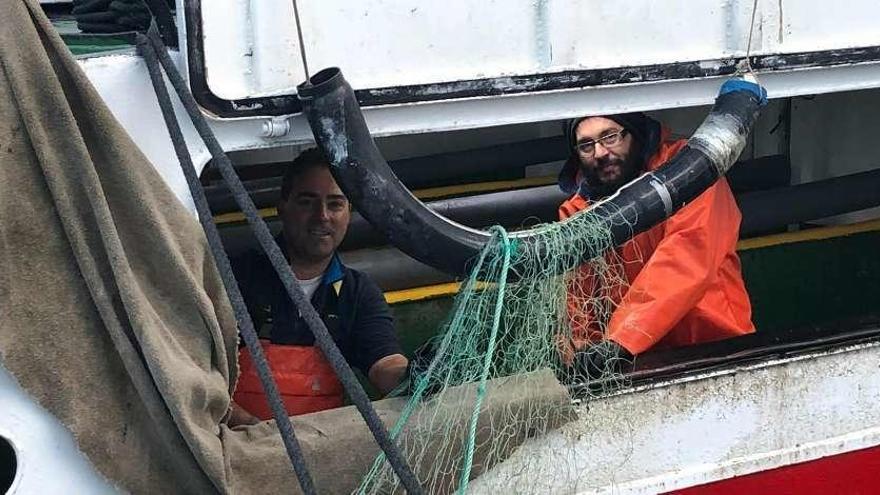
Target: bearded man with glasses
(678,283)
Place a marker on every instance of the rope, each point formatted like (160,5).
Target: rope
(164,19)
(749,44)
(487,362)
(302,46)
(322,336)
(423,380)
(246,325)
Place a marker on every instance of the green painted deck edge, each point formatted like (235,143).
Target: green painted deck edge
(81,44)
(87,44)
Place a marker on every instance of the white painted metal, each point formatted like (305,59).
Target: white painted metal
(705,428)
(251,50)
(123,83)
(251,47)
(276,127)
(48,460)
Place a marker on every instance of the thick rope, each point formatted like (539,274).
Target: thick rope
(322,336)
(164,20)
(245,324)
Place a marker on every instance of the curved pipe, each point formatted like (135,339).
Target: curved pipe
(762,212)
(341,132)
(519,208)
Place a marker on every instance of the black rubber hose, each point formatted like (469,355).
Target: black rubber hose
(521,208)
(763,212)
(340,130)
(518,208)
(323,339)
(369,183)
(499,161)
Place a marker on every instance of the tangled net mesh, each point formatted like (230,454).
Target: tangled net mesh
(520,313)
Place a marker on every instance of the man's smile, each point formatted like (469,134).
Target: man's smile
(320,232)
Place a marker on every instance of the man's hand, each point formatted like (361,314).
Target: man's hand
(418,366)
(605,359)
(388,372)
(237,416)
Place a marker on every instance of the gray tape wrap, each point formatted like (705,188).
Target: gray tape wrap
(721,138)
(663,192)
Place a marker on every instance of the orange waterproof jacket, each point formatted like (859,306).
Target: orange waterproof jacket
(679,283)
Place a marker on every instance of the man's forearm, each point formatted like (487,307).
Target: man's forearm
(388,372)
(239,416)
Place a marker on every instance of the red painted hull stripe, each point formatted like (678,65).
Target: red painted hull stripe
(851,473)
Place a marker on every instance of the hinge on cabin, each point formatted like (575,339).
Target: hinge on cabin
(276,127)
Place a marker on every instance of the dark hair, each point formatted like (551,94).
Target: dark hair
(308,159)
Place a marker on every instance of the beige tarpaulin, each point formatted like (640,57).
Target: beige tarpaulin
(112,314)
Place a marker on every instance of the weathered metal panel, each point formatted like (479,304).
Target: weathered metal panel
(645,440)
(123,83)
(125,87)
(705,428)
(251,47)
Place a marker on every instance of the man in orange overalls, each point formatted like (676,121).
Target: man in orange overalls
(315,215)
(679,283)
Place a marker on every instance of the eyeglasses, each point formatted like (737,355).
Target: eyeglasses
(588,148)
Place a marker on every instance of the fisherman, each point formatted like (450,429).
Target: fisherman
(678,283)
(314,215)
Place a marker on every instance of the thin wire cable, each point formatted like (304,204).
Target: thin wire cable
(749,45)
(302,45)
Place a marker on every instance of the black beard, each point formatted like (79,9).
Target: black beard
(598,189)
(629,171)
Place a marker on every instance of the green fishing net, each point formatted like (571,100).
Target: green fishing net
(524,308)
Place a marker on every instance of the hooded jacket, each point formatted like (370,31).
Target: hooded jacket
(678,283)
